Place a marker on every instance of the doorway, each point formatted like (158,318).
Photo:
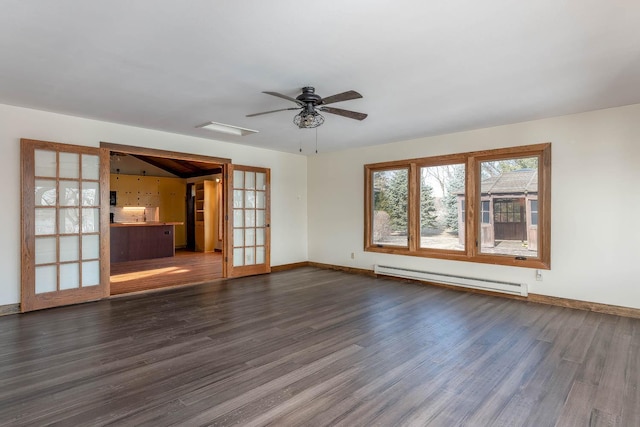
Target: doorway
(191,224)
(186,265)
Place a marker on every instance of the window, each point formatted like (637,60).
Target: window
(441,189)
(488,206)
(390,214)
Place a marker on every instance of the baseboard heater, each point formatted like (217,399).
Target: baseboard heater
(450,279)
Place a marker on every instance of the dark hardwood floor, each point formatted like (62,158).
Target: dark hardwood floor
(185,267)
(318,347)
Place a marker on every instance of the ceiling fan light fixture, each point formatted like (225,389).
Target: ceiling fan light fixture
(308,120)
(228,129)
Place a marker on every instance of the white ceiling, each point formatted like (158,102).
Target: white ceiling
(423,67)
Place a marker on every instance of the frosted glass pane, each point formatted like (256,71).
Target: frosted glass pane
(90,167)
(261,198)
(45,221)
(249,256)
(250,218)
(250,237)
(238,257)
(238,218)
(68,221)
(260,234)
(45,192)
(91,246)
(238,179)
(69,193)
(90,273)
(45,163)
(69,276)
(261,181)
(69,248)
(260,255)
(90,193)
(90,220)
(69,165)
(45,250)
(238,198)
(249,199)
(46,279)
(250,180)
(238,237)
(259,218)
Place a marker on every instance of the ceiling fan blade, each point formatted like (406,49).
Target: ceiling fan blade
(344,96)
(288,98)
(344,113)
(272,111)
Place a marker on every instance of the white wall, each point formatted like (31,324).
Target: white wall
(595,249)
(288,178)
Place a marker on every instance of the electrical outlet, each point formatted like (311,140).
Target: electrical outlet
(539,275)
(353,255)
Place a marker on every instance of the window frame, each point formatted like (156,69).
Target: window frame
(409,204)
(473,206)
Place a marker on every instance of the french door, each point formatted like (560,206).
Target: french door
(65,236)
(248,233)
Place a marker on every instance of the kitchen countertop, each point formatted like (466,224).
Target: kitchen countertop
(144,223)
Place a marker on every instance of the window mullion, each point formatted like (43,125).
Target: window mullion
(471,219)
(414,208)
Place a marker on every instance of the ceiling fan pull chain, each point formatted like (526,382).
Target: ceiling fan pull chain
(316,140)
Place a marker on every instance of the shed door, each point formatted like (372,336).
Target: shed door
(65,238)
(248,221)
(509,219)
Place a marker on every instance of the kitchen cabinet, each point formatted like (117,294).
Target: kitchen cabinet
(173,205)
(135,190)
(126,188)
(132,242)
(148,191)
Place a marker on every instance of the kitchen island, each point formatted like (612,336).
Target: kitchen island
(132,241)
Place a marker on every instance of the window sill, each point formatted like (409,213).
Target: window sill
(507,260)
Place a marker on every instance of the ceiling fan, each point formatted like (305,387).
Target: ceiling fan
(310,103)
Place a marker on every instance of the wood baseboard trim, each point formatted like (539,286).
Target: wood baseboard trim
(342,268)
(5,310)
(535,298)
(285,267)
(586,305)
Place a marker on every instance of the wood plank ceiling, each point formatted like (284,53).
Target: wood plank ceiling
(181,168)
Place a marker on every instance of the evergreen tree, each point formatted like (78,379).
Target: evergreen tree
(393,197)
(380,189)
(381,218)
(428,216)
(454,185)
(397,197)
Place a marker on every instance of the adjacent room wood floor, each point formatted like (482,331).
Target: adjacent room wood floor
(185,267)
(318,347)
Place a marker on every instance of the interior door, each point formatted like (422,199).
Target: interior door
(65,224)
(248,235)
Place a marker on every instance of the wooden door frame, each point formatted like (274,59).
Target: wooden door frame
(175,155)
